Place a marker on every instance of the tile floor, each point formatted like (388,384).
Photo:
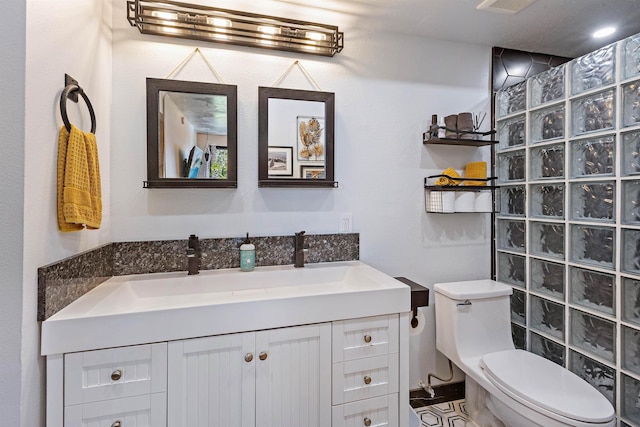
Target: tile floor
(446,414)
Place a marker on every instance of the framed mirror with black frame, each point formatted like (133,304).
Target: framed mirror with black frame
(295,138)
(191,134)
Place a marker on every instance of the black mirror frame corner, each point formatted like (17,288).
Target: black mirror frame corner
(154,86)
(328,98)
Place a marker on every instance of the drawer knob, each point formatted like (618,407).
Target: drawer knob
(248,357)
(116,424)
(367,421)
(115,376)
(367,338)
(263,355)
(367,379)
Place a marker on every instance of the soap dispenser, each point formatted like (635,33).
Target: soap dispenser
(247,255)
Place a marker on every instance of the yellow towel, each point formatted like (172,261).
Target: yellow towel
(475,170)
(446,181)
(79,192)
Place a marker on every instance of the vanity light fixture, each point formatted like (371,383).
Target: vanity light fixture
(197,22)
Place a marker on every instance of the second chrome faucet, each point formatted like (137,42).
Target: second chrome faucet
(300,248)
(193,255)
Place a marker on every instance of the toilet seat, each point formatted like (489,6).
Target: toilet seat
(534,380)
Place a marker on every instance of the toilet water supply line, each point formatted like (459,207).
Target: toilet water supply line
(427,387)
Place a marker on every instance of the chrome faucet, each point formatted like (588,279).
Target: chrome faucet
(193,255)
(300,249)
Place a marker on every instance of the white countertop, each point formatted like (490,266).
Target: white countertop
(129,310)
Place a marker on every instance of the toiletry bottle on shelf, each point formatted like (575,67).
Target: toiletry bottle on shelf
(441,130)
(433,129)
(247,255)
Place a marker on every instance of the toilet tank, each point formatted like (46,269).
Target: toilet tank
(473,318)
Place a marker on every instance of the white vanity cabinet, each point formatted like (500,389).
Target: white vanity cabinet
(272,378)
(341,373)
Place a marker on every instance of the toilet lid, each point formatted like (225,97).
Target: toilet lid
(535,379)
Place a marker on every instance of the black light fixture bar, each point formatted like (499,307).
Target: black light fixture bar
(196,22)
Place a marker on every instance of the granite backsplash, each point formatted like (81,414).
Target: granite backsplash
(62,282)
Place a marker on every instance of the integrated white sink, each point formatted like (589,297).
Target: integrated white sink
(127,310)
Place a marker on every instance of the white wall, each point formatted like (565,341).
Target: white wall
(387,86)
(12,52)
(74,37)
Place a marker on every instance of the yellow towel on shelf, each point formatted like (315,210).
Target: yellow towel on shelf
(78,182)
(446,181)
(475,170)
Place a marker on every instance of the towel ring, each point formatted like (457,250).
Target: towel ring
(63,106)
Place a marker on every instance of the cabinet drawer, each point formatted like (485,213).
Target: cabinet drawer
(366,337)
(138,411)
(114,373)
(378,411)
(365,378)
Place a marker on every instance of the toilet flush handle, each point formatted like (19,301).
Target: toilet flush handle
(466,302)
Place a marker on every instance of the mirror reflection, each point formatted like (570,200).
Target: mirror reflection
(296,137)
(191,134)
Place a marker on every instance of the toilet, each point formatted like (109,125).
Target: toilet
(506,387)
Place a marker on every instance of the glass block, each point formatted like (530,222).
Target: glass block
(631,300)
(630,399)
(511,132)
(631,153)
(630,251)
(547,316)
(631,202)
(593,70)
(631,104)
(519,336)
(594,335)
(547,348)
(547,86)
(511,235)
(547,277)
(547,123)
(593,290)
(547,162)
(631,56)
(547,239)
(512,99)
(593,245)
(593,201)
(593,112)
(631,349)
(519,307)
(599,375)
(512,200)
(547,201)
(595,156)
(511,269)
(511,166)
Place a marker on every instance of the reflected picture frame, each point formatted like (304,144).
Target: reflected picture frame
(280,161)
(312,172)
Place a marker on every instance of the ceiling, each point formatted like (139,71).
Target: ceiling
(556,27)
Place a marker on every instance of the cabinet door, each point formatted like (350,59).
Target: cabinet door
(293,382)
(211,381)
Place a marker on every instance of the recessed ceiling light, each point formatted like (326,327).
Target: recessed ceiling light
(604,32)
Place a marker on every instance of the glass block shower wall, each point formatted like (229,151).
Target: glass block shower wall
(568,228)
